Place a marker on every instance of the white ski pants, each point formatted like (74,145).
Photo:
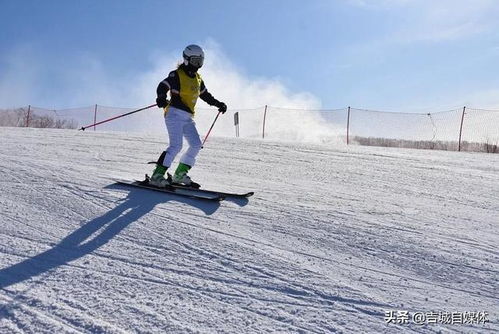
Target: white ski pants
(180,124)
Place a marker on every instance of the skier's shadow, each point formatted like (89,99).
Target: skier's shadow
(94,234)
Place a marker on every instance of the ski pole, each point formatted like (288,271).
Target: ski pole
(206,137)
(116,117)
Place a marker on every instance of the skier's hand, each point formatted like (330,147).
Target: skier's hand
(162,102)
(222,107)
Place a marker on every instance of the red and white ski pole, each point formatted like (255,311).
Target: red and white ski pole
(116,117)
(206,137)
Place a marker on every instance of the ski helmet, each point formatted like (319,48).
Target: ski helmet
(193,55)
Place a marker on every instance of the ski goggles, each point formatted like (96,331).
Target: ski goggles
(196,61)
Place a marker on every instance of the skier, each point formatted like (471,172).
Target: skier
(185,86)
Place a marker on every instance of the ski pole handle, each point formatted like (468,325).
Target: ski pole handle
(116,117)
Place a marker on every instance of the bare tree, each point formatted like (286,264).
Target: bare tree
(491,145)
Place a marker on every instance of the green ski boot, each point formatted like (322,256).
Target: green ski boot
(158,177)
(181,178)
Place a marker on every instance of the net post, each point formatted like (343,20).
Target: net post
(95,115)
(461,129)
(236,123)
(348,126)
(264,119)
(27,116)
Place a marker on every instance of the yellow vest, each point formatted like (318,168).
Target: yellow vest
(189,89)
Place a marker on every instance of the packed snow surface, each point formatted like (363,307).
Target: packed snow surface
(335,238)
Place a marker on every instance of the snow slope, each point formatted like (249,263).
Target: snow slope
(333,239)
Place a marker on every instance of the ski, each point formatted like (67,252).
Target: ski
(225,194)
(190,193)
(206,191)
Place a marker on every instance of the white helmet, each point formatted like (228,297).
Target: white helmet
(193,55)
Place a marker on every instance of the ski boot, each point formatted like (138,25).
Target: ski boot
(158,177)
(180,178)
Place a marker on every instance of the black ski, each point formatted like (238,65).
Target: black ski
(191,192)
(205,191)
(236,195)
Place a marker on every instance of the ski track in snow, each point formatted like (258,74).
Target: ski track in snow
(332,239)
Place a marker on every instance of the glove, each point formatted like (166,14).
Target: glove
(222,107)
(161,101)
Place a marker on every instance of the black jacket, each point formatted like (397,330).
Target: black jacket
(172,82)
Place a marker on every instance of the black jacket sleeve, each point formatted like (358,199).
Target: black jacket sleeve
(170,83)
(162,89)
(207,97)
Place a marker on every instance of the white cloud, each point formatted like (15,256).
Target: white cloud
(240,91)
(84,80)
(436,21)
(227,82)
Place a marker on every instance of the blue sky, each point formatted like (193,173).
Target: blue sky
(379,54)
